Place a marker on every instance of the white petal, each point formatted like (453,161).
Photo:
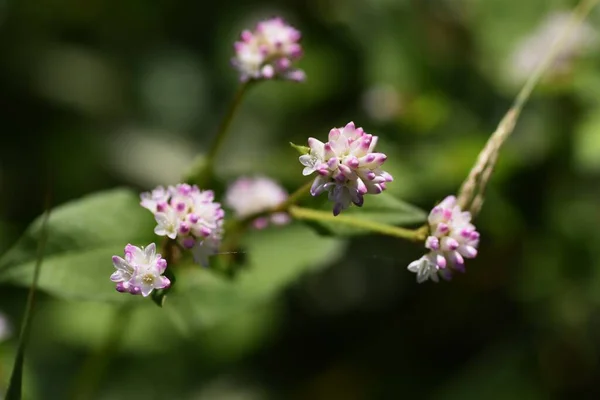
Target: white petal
(137,255)
(415,265)
(161,231)
(163,282)
(307,171)
(146,289)
(161,218)
(121,264)
(317,148)
(306,160)
(150,251)
(120,276)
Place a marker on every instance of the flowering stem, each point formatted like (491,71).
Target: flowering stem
(15,384)
(293,198)
(237,228)
(224,128)
(385,229)
(470,196)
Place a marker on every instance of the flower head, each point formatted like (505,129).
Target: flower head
(187,214)
(140,272)
(347,166)
(452,239)
(250,195)
(269,51)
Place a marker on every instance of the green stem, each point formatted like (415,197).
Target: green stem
(15,385)
(470,195)
(385,229)
(294,197)
(236,228)
(578,15)
(225,123)
(282,207)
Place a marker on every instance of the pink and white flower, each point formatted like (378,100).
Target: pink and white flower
(141,271)
(452,239)
(269,51)
(347,166)
(251,195)
(189,215)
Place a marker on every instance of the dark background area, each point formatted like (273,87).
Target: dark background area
(108,93)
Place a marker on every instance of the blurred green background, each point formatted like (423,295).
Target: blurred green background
(112,93)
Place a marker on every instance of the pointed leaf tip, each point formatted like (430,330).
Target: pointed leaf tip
(301,149)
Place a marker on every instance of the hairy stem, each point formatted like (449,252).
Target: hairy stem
(384,229)
(223,128)
(471,193)
(293,198)
(237,228)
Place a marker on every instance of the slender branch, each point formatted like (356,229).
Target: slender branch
(293,198)
(472,190)
(225,123)
(385,229)
(236,228)
(282,207)
(16,379)
(202,169)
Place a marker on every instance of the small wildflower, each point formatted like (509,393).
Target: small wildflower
(5,327)
(187,214)
(452,239)
(269,51)
(247,196)
(347,166)
(140,272)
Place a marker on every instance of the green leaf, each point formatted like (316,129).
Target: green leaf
(275,258)
(83,235)
(383,208)
(301,149)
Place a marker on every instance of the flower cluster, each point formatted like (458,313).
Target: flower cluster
(140,272)
(347,166)
(191,216)
(251,195)
(453,238)
(269,52)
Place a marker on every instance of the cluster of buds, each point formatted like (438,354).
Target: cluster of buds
(140,272)
(189,215)
(269,52)
(253,195)
(347,166)
(452,239)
